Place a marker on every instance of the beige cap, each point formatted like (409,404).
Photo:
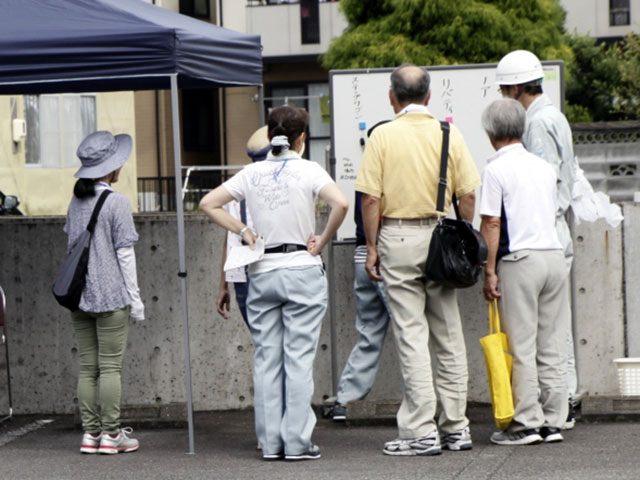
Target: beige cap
(258,145)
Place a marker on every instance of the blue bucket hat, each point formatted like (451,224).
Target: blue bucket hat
(102,153)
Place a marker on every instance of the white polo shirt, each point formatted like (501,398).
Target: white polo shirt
(525,185)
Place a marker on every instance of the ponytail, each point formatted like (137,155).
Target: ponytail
(279,147)
(286,121)
(84,188)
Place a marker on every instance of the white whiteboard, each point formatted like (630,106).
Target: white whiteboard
(459,94)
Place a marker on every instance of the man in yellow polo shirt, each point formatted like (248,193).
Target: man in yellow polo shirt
(399,176)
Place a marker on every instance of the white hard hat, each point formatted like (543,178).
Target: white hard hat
(519,67)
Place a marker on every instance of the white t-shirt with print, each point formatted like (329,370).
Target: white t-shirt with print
(280,193)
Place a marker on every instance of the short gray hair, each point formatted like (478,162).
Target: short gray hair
(504,119)
(408,87)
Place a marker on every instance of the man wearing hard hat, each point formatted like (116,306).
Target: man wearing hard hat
(548,135)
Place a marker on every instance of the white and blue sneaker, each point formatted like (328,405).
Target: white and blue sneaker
(313,453)
(339,413)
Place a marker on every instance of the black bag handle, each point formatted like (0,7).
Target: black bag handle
(442,182)
(96,210)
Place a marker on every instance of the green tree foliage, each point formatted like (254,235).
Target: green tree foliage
(626,102)
(593,73)
(604,80)
(386,33)
(601,81)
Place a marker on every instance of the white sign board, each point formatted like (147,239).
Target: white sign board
(459,94)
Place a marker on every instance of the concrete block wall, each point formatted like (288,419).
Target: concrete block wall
(599,306)
(43,356)
(632,277)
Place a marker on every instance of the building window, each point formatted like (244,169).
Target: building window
(199,119)
(619,13)
(56,124)
(314,97)
(195,8)
(309,22)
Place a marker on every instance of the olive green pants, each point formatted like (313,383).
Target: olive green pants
(101,338)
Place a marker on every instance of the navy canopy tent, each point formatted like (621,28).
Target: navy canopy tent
(106,45)
(55,46)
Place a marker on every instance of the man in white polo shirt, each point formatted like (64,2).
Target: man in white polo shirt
(525,269)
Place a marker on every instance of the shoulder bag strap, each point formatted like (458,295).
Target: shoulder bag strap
(442,183)
(243,215)
(96,210)
(444,156)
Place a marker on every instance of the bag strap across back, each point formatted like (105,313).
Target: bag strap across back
(96,210)
(442,182)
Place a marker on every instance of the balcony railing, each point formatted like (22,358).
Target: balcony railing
(158,194)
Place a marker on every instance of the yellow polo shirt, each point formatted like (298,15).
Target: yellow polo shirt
(401,166)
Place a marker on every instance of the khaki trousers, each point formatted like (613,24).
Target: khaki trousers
(424,316)
(102,340)
(535,316)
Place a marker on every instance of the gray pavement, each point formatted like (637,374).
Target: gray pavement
(226,449)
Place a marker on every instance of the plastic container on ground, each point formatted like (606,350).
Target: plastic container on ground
(628,376)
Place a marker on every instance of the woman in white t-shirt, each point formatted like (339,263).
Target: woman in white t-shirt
(288,287)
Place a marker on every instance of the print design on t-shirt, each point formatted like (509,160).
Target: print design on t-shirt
(273,191)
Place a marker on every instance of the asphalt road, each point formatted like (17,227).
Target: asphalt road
(225,448)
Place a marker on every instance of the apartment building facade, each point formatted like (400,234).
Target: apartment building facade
(607,20)
(216,122)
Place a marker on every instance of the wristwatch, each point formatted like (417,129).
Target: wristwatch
(243,230)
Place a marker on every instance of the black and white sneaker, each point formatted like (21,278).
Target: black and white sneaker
(339,412)
(523,437)
(312,454)
(423,446)
(551,435)
(456,441)
(272,456)
(571,417)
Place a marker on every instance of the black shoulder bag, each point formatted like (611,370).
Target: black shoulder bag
(71,278)
(457,251)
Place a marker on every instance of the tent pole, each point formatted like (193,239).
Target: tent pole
(182,272)
(261,120)
(333,321)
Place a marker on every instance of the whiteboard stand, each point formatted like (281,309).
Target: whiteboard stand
(459,94)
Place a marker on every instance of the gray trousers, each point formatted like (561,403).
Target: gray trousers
(424,315)
(535,316)
(285,309)
(372,320)
(564,235)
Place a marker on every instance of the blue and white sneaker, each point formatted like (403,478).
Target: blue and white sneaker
(339,412)
(313,453)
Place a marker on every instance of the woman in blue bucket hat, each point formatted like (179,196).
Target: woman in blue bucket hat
(110,296)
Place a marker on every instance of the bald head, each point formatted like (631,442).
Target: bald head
(410,84)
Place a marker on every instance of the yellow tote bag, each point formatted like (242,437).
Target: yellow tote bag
(498,359)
